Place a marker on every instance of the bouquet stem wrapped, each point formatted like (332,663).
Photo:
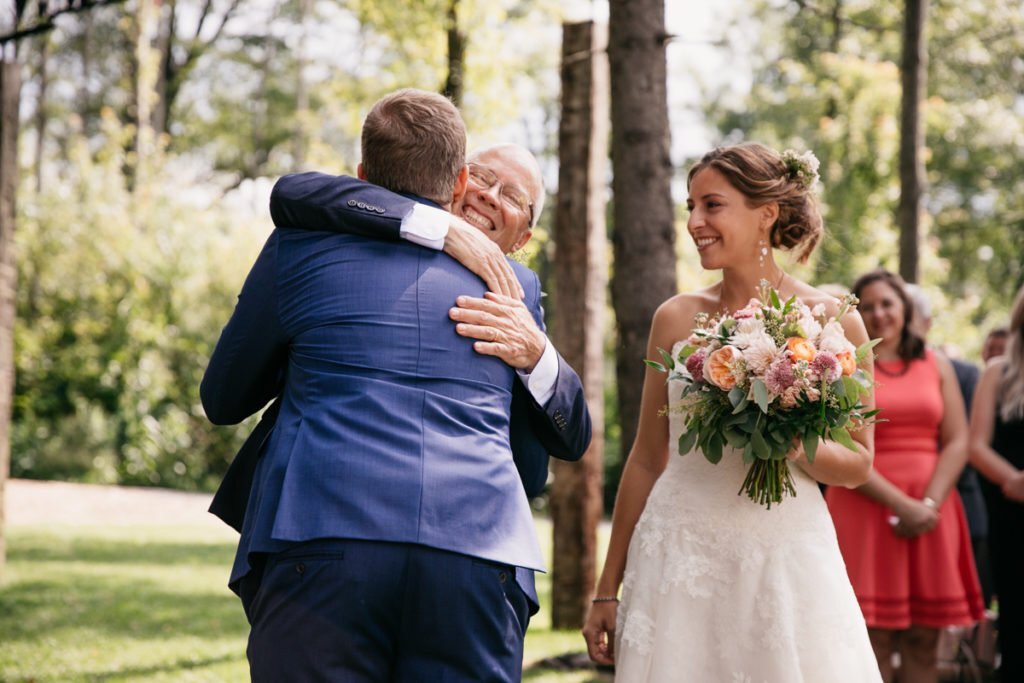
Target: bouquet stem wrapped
(765,378)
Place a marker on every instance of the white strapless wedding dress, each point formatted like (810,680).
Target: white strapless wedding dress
(718,589)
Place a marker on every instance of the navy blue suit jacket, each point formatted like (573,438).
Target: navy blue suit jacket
(390,427)
(342,204)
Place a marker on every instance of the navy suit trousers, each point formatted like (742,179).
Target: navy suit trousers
(366,611)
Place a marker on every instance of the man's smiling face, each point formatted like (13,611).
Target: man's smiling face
(498,209)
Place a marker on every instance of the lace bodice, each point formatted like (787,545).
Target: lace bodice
(718,588)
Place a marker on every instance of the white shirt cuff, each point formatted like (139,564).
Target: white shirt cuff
(541,382)
(425,226)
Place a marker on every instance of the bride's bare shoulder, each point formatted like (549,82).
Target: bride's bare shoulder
(812,296)
(675,317)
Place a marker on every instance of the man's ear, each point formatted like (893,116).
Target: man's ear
(360,173)
(461,184)
(523,239)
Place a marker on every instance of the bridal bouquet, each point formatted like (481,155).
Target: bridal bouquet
(764,376)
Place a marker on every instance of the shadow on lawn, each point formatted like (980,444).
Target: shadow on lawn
(120,588)
(89,549)
(169,667)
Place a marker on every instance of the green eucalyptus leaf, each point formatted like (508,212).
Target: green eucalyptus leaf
(686,441)
(735,438)
(761,449)
(735,396)
(810,445)
(841,436)
(670,362)
(853,388)
(838,388)
(863,349)
(714,451)
(748,454)
(761,395)
(656,365)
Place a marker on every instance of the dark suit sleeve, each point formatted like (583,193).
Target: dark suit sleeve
(232,497)
(315,201)
(561,428)
(250,358)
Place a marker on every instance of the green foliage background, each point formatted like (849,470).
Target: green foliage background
(129,263)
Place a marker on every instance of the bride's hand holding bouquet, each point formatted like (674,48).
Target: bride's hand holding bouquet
(767,376)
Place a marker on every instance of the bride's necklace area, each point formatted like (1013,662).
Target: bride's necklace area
(721,304)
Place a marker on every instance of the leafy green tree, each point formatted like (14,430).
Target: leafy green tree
(827,78)
(122,298)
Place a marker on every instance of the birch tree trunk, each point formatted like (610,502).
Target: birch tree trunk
(10,96)
(580,270)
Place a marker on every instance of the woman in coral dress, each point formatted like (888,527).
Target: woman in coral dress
(904,535)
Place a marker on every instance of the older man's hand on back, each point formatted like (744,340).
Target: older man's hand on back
(503,327)
(473,249)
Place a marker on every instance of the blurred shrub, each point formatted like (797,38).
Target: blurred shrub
(122,294)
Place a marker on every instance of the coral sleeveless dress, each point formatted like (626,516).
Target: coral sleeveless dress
(929,580)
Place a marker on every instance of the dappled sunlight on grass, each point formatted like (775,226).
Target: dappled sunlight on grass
(125,604)
(150,603)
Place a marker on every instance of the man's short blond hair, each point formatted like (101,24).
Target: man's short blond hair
(415,142)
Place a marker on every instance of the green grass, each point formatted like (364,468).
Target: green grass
(148,604)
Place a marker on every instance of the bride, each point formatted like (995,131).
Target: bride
(716,588)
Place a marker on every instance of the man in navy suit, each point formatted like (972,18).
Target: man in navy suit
(504,199)
(502,203)
(388,527)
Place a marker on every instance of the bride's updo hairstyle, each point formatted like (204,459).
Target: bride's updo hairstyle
(762,175)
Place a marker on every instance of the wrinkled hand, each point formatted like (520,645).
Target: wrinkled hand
(504,327)
(599,632)
(916,518)
(1013,489)
(473,249)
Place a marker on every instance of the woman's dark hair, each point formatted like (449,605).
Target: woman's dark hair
(911,344)
(761,175)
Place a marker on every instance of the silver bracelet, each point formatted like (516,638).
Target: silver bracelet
(605,598)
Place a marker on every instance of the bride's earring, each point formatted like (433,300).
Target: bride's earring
(762,251)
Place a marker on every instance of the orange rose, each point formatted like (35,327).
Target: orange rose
(719,365)
(847,362)
(800,349)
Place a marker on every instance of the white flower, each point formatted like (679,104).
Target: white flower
(749,331)
(834,340)
(760,353)
(810,324)
(801,166)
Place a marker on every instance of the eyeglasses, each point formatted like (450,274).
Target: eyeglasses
(512,196)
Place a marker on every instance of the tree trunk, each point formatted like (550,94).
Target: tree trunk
(644,228)
(580,269)
(147,65)
(10,95)
(912,176)
(300,142)
(40,116)
(164,46)
(453,85)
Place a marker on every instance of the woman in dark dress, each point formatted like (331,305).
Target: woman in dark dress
(997,452)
